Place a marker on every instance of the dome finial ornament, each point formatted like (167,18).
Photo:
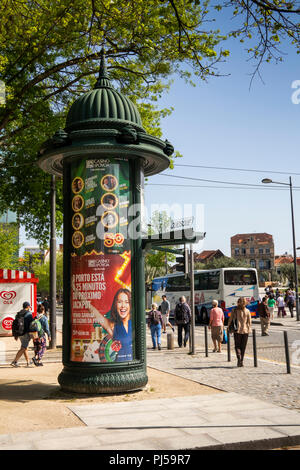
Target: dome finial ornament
(103,80)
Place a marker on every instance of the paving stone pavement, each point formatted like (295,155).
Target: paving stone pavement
(269,381)
(259,408)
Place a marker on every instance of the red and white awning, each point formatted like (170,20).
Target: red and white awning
(14,275)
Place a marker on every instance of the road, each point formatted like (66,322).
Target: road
(270,348)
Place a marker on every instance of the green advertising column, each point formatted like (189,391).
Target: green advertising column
(103,154)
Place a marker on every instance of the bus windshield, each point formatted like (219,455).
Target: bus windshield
(240,278)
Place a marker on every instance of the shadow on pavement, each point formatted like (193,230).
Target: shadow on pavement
(25,390)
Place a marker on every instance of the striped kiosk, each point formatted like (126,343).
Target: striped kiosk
(16,287)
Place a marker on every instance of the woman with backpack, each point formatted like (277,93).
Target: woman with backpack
(155,324)
(41,326)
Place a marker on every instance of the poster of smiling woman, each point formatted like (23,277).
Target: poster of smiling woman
(101,306)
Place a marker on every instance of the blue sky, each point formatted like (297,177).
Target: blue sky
(222,123)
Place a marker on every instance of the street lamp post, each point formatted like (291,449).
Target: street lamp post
(267,180)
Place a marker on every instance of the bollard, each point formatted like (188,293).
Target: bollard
(170,341)
(206,341)
(254,347)
(287,353)
(228,346)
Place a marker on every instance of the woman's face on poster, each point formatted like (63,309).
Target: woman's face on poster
(123,305)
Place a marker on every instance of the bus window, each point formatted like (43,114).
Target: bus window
(207,280)
(201,281)
(213,280)
(244,278)
(178,283)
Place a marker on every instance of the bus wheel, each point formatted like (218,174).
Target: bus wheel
(204,316)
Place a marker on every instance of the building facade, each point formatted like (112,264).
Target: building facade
(255,248)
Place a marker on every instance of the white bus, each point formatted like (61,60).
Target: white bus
(226,285)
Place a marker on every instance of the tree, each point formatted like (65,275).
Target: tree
(265,25)
(287,274)
(49,54)
(42,272)
(9,246)
(223,262)
(157,263)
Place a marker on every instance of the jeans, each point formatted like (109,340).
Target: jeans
(291,307)
(155,332)
(240,342)
(186,328)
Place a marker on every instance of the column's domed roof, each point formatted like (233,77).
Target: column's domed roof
(102,104)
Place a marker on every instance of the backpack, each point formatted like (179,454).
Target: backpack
(35,326)
(155,317)
(18,325)
(181,316)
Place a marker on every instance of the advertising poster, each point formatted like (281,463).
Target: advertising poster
(101,310)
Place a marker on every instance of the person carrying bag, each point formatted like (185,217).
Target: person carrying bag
(240,324)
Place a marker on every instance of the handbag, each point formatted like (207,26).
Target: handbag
(224,337)
(233,325)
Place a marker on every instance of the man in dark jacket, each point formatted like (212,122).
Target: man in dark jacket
(264,315)
(182,320)
(25,338)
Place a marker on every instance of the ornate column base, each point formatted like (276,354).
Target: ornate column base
(87,380)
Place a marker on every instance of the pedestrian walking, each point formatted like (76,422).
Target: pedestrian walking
(271,306)
(280,305)
(271,293)
(264,315)
(39,343)
(182,320)
(290,301)
(155,324)
(165,312)
(216,324)
(240,316)
(26,318)
(46,305)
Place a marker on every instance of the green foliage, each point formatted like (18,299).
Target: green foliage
(287,273)
(223,262)
(49,55)
(9,246)
(42,272)
(157,263)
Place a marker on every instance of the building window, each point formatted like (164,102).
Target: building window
(261,264)
(261,250)
(252,263)
(252,251)
(268,251)
(243,251)
(267,264)
(236,251)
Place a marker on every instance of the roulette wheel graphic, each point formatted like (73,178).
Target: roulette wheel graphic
(119,238)
(108,349)
(109,240)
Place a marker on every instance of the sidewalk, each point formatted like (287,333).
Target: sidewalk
(190,402)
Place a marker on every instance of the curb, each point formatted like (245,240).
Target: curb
(261,444)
